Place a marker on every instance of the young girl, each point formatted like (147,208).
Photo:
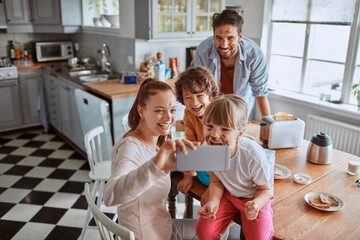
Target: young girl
(195,88)
(139,183)
(245,188)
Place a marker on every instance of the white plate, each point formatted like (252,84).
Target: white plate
(332,208)
(282,170)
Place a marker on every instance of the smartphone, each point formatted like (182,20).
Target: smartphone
(204,158)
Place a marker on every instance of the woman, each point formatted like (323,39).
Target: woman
(141,161)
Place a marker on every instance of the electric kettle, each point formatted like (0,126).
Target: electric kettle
(320,149)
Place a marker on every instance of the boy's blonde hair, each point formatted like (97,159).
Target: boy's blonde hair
(227,110)
(196,76)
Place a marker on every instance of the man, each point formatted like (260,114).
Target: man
(237,63)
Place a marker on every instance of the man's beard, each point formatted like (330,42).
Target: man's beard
(228,56)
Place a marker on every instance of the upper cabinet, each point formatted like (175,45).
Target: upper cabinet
(60,16)
(56,15)
(175,18)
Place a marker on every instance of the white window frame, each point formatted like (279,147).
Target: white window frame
(354,42)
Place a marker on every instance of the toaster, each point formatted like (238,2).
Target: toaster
(281,134)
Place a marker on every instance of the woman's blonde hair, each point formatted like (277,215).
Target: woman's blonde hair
(149,87)
(227,110)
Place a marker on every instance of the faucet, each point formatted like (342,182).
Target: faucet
(105,51)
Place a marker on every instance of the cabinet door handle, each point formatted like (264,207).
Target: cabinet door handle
(193,32)
(52,88)
(67,88)
(188,32)
(54,112)
(51,80)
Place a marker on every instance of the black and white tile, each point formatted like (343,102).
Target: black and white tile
(41,188)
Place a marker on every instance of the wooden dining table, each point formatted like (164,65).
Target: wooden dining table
(293,217)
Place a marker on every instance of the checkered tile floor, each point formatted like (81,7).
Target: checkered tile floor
(41,188)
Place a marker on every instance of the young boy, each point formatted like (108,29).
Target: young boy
(195,88)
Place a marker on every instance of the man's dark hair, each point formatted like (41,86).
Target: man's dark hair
(227,17)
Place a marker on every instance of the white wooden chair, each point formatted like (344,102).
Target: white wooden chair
(107,228)
(100,170)
(125,123)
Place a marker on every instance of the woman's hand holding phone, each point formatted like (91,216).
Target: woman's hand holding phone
(165,159)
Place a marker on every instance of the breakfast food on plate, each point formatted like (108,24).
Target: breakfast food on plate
(315,201)
(328,199)
(283,116)
(323,201)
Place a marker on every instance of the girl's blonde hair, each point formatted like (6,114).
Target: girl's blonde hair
(227,110)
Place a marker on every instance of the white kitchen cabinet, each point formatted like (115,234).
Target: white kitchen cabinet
(30,84)
(52,100)
(175,18)
(56,15)
(10,107)
(70,120)
(18,16)
(2,15)
(17,12)
(48,16)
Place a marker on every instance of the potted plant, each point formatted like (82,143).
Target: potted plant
(356,91)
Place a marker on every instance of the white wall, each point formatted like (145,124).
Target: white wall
(253,17)
(169,49)
(122,49)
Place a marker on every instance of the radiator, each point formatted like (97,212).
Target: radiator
(345,137)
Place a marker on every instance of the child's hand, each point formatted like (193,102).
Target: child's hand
(185,184)
(209,210)
(251,210)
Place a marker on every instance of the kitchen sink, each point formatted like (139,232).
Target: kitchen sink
(82,72)
(94,77)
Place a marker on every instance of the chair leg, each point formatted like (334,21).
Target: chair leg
(189,206)
(88,213)
(172,200)
(100,193)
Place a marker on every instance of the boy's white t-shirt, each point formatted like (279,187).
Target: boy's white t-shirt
(249,167)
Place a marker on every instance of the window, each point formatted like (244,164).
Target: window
(312,45)
(101,13)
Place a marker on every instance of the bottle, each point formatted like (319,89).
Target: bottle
(17,51)
(98,60)
(103,62)
(159,68)
(11,48)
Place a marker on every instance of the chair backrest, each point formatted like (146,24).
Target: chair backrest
(107,228)
(124,122)
(93,146)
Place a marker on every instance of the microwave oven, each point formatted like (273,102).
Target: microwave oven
(54,51)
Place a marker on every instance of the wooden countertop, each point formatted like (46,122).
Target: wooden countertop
(39,65)
(113,89)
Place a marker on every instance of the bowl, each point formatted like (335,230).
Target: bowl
(73,61)
(112,19)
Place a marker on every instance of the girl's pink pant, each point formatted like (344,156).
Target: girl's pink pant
(258,229)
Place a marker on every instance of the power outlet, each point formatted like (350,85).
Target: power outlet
(130,60)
